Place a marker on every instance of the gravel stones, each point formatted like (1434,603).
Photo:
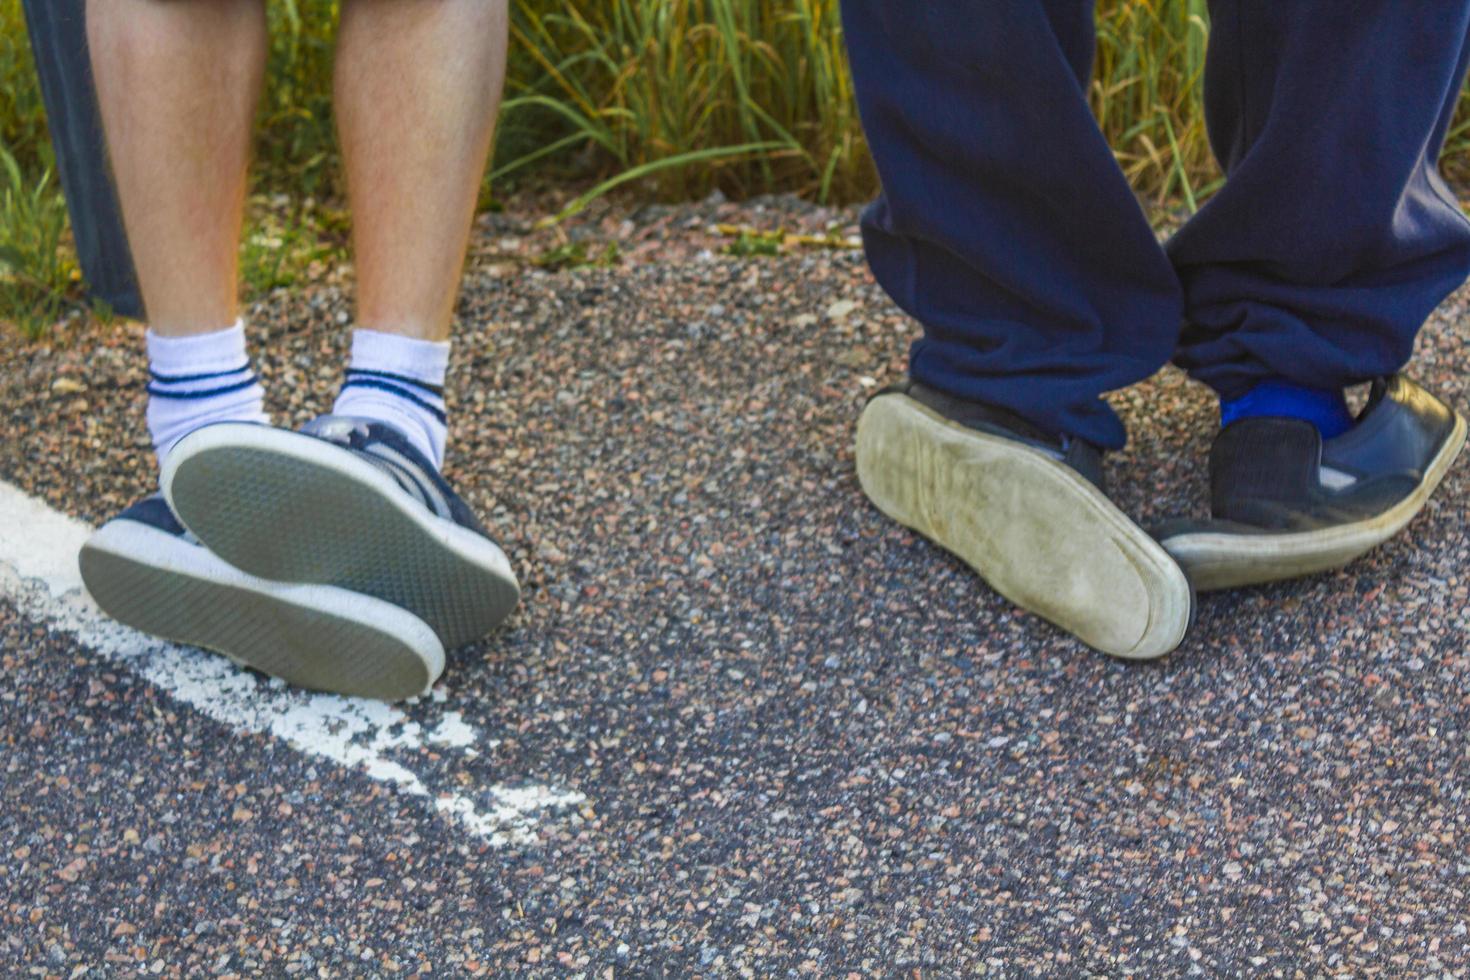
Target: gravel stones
(811,743)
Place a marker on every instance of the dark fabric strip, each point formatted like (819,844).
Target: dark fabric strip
(410,483)
(436,390)
(403,393)
(189,395)
(384,453)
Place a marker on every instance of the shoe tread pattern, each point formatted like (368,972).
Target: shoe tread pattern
(311,648)
(284,518)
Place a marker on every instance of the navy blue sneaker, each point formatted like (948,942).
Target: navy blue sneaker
(1285,502)
(146,571)
(346,502)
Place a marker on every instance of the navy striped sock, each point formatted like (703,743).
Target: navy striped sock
(400,381)
(194,381)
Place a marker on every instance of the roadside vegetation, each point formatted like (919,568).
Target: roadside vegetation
(674,98)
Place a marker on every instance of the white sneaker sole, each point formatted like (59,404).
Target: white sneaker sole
(312,636)
(292,508)
(1039,533)
(1217,560)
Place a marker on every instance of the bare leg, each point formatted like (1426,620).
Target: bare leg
(178,84)
(417,89)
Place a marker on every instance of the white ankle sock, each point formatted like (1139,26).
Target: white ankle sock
(399,380)
(197,380)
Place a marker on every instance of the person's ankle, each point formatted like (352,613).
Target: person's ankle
(399,381)
(1326,409)
(198,380)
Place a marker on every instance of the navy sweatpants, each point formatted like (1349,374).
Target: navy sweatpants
(1007,230)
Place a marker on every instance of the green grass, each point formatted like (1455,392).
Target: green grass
(37,265)
(1146,94)
(287,241)
(38,274)
(690,95)
(22,116)
(672,98)
(296,151)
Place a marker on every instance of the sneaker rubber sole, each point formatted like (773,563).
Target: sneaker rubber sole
(311,636)
(1038,532)
(292,508)
(1219,559)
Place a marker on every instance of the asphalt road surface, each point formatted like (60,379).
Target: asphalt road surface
(741,725)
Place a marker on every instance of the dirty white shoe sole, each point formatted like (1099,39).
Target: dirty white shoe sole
(1038,532)
(1216,560)
(312,636)
(291,508)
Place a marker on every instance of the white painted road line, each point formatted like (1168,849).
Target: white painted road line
(38,572)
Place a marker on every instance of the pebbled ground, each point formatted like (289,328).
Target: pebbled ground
(811,743)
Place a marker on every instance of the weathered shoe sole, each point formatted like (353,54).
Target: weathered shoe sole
(1224,560)
(291,508)
(312,636)
(1040,534)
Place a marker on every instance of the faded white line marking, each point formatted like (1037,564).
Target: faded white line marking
(38,571)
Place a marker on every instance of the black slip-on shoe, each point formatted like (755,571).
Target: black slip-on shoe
(1286,503)
(1030,515)
(146,571)
(346,502)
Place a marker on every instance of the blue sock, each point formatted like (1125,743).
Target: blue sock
(1327,410)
